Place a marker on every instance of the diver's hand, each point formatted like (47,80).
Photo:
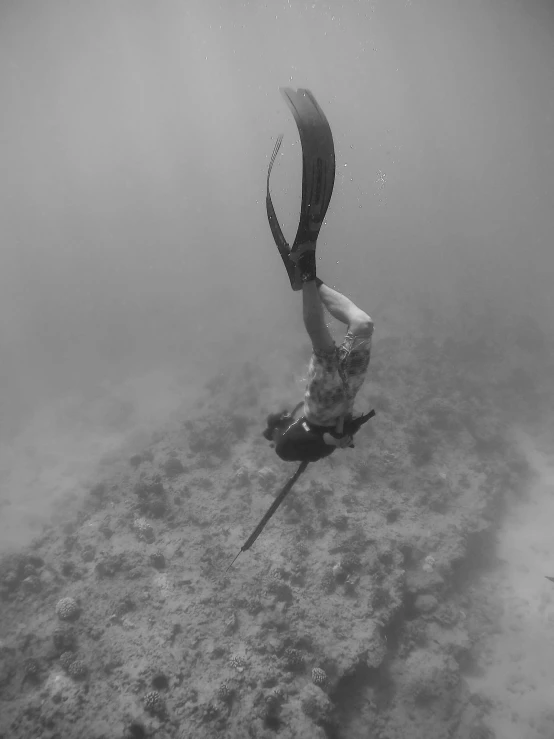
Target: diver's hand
(341,443)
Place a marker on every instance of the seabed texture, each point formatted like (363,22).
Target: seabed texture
(359,612)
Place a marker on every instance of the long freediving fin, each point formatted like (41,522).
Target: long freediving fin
(318,161)
(318,176)
(282,246)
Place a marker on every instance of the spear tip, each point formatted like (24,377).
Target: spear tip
(233,562)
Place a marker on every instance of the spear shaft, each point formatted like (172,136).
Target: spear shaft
(270,511)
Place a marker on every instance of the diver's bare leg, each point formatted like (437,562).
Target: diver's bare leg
(345,311)
(314,318)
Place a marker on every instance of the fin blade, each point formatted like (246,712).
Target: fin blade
(318,161)
(284,249)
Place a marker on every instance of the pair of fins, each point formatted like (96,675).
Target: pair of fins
(318,177)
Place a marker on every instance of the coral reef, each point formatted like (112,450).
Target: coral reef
(351,609)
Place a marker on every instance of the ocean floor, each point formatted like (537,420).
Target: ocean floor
(397,593)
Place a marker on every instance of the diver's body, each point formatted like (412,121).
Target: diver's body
(314,435)
(335,374)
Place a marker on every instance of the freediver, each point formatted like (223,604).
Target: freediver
(335,373)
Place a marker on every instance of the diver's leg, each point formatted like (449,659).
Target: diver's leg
(314,318)
(345,311)
(354,353)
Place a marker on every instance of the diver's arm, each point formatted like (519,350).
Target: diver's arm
(341,442)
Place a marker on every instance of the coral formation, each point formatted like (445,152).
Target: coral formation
(173,467)
(157,560)
(294,659)
(67,659)
(225,693)
(319,676)
(316,704)
(143,530)
(328,581)
(151,495)
(238,662)
(31,668)
(154,703)
(65,639)
(68,609)
(77,669)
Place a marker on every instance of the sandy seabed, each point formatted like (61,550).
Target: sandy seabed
(519,673)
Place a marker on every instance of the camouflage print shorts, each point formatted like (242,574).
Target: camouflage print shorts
(325,399)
